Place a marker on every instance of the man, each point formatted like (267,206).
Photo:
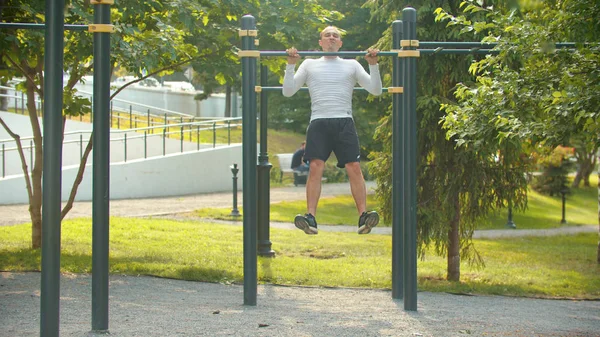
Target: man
(330,82)
(298,161)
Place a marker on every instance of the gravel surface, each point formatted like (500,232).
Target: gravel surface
(148,306)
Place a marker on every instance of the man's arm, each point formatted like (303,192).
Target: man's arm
(293,82)
(370,81)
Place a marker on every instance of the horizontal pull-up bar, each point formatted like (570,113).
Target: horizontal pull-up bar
(339,53)
(478,45)
(11,25)
(395,90)
(429,48)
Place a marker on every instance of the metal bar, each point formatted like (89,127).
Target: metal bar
(145,144)
(181,137)
(443,51)
(125,147)
(198,137)
(409,21)
(249,164)
(278,88)
(214,135)
(264,169)
(164,141)
(101,171)
(455,44)
(52,157)
(228,132)
(398,154)
(267,53)
(12,25)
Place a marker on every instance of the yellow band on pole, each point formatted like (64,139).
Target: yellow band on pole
(409,43)
(409,53)
(102,2)
(396,90)
(249,53)
(101,28)
(248,32)
(256,43)
(258,88)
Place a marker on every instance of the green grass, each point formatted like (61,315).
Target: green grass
(541,267)
(543,211)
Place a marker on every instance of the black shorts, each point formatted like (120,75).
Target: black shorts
(332,134)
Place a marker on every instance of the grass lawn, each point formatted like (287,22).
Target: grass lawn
(562,266)
(542,212)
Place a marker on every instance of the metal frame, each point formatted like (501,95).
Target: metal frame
(52,171)
(256,216)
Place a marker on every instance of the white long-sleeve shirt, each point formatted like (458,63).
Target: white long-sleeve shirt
(331,83)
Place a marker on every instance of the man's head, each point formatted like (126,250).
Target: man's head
(331,39)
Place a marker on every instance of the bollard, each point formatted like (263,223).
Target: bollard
(510,223)
(563,193)
(234,170)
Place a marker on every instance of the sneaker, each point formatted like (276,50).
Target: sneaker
(367,221)
(307,223)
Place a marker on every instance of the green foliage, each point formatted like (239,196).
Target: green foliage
(454,183)
(530,90)
(554,170)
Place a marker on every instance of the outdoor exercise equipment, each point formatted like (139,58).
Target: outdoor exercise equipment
(52,172)
(404,146)
(404,52)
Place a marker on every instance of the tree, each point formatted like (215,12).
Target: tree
(531,92)
(152,37)
(457,185)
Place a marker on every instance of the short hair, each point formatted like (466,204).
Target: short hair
(330,27)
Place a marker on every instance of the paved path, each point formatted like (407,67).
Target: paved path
(154,307)
(172,206)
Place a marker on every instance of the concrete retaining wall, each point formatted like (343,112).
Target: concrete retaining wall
(204,171)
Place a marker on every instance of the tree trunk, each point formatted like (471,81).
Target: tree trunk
(454,243)
(585,167)
(35,201)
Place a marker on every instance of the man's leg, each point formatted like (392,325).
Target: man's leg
(367,219)
(313,185)
(357,186)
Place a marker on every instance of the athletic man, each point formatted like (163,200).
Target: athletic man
(330,82)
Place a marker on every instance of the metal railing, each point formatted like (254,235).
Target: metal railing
(136,143)
(146,134)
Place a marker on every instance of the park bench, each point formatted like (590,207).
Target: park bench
(285,166)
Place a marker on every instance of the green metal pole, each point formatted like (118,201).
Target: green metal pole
(398,154)
(52,182)
(101,170)
(409,20)
(249,163)
(264,173)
